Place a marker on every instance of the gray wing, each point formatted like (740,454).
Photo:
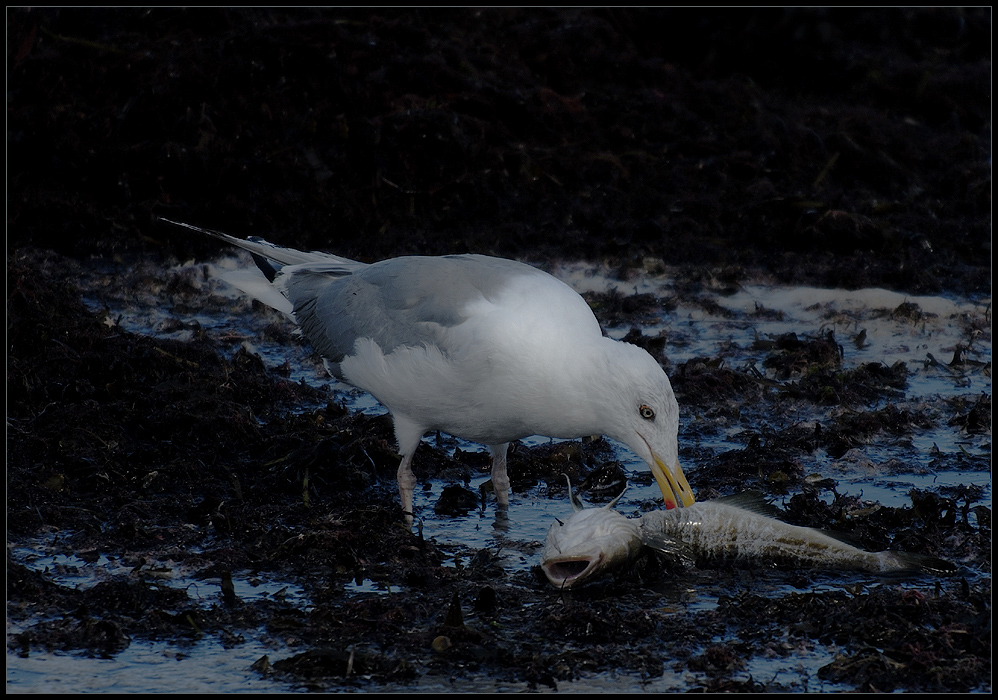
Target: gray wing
(402,301)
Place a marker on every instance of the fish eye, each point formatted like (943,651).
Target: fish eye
(646,412)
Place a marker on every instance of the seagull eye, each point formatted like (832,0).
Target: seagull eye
(646,412)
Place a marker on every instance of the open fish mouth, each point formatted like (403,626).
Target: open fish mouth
(565,572)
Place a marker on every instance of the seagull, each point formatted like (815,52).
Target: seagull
(486,349)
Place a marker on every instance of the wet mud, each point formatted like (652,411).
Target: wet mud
(842,149)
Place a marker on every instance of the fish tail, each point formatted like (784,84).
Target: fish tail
(909,561)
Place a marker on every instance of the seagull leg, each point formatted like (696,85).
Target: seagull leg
(408,433)
(407,486)
(500,479)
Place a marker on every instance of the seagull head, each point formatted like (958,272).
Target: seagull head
(646,419)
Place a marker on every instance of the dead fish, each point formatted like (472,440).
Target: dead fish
(590,543)
(746,527)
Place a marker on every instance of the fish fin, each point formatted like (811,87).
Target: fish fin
(573,498)
(671,547)
(753,502)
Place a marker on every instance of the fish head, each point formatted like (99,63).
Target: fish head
(588,544)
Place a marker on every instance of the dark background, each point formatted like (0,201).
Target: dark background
(834,147)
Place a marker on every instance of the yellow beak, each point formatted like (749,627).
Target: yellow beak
(675,488)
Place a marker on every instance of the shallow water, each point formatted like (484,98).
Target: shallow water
(211,668)
(726,327)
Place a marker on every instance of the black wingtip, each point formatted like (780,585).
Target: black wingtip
(266,266)
(191,227)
